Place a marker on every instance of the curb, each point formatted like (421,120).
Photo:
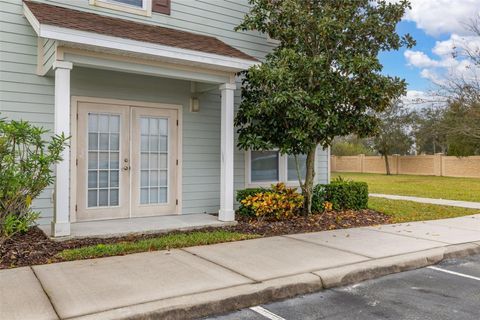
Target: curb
(234,298)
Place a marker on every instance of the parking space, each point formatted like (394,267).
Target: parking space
(450,290)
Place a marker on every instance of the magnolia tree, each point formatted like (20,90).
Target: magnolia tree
(324,77)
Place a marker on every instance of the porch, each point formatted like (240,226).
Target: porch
(86,63)
(145,225)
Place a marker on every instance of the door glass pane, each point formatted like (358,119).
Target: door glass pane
(163,161)
(104,166)
(92,179)
(114,141)
(154,178)
(292,167)
(163,195)
(264,166)
(114,179)
(114,197)
(103,160)
(153,156)
(92,198)
(103,179)
(103,197)
(103,144)
(93,141)
(103,120)
(163,178)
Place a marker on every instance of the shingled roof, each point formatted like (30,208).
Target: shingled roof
(121,28)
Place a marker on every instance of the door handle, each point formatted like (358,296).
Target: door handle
(126,168)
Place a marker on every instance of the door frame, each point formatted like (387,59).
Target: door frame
(75,100)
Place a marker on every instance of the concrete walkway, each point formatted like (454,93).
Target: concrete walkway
(197,281)
(443,202)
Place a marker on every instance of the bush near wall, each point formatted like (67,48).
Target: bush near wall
(26,163)
(245,193)
(342,194)
(278,202)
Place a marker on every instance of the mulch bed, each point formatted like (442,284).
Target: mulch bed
(33,247)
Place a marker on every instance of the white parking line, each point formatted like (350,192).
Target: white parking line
(454,273)
(267,314)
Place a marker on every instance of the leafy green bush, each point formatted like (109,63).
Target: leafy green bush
(26,162)
(343,194)
(242,195)
(280,202)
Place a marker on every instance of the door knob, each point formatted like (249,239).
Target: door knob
(126,168)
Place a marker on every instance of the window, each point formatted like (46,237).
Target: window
(133,3)
(292,167)
(142,7)
(267,167)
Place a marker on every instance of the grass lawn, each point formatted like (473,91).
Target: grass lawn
(405,211)
(169,241)
(466,189)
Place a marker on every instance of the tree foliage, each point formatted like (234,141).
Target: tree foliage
(323,79)
(394,135)
(462,118)
(429,130)
(26,161)
(351,146)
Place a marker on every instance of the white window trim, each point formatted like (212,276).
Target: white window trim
(282,174)
(146,9)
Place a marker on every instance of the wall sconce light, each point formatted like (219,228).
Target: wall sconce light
(194,104)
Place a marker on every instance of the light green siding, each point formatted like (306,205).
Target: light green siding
(25,95)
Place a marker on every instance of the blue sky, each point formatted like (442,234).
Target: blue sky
(439,28)
(395,63)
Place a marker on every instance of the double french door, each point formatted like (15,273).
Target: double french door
(126,161)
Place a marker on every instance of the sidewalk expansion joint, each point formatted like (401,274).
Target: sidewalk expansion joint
(327,246)
(432,223)
(219,265)
(407,236)
(45,291)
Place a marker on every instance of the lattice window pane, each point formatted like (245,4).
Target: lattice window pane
(103,160)
(153,160)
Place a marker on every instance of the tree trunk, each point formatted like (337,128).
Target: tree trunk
(307,187)
(387,164)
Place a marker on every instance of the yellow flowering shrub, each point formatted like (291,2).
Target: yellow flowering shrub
(328,206)
(280,202)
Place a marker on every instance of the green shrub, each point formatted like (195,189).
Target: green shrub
(26,162)
(343,194)
(242,195)
(280,202)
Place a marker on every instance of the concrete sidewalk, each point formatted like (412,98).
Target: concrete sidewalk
(442,202)
(197,281)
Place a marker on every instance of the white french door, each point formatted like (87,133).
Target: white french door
(126,161)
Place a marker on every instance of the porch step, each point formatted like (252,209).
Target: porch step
(146,225)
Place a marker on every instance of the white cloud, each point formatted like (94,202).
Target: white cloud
(419,59)
(449,59)
(443,16)
(420,99)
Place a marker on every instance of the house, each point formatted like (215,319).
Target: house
(147,91)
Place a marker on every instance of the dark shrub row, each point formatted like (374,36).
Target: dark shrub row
(342,194)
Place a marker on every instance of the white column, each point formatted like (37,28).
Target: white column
(61,220)
(226,212)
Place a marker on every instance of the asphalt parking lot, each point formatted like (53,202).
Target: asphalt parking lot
(450,290)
